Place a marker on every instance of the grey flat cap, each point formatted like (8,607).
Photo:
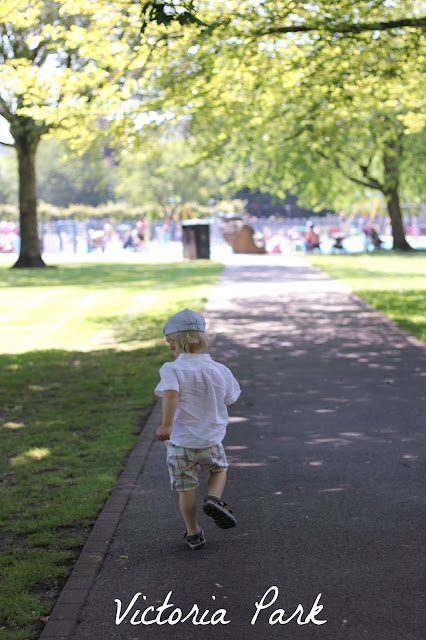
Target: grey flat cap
(185,320)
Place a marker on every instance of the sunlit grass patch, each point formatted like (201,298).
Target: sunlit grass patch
(394,283)
(80,306)
(36,453)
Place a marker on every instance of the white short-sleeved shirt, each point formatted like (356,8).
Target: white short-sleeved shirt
(205,389)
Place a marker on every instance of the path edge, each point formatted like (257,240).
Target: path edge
(65,614)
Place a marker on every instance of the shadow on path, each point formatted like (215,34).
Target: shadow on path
(325,479)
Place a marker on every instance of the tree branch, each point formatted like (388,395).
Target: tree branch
(374,184)
(369,182)
(5,111)
(347,27)
(365,168)
(7,144)
(164,12)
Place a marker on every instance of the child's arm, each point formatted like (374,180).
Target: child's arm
(233,390)
(170,401)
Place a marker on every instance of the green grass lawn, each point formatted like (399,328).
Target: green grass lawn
(394,283)
(81,347)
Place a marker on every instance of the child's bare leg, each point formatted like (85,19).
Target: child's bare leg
(188,508)
(216,483)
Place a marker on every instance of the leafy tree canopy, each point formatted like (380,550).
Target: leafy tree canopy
(168,176)
(288,16)
(305,111)
(66,65)
(291,93)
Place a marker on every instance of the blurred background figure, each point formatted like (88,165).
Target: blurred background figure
(372,236)
(275,243)
(311,237)
(140,236)
(9,239)
(294,237)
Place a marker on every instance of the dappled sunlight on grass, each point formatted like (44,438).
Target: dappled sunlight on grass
(12,425)
(32,454)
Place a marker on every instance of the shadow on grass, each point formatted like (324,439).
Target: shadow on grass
(67,423)
(66,413)
(108,274)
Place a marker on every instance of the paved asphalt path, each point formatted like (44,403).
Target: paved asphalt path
(325,478)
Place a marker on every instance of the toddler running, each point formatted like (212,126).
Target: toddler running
(196,392)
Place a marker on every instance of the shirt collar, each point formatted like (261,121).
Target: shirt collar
(186,356)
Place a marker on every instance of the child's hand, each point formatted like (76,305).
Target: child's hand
(164,433)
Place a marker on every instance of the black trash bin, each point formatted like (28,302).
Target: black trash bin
(196,240)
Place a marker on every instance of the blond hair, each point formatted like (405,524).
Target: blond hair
(189,341)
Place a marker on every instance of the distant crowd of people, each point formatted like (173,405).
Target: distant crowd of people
(275,235)
(308,238)
(97,236)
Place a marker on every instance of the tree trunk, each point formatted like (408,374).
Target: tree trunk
(391,156)
(394,210)
(30,254)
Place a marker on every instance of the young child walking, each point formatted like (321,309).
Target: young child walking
(196,392)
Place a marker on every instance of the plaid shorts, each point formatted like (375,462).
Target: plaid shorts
(182,463)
